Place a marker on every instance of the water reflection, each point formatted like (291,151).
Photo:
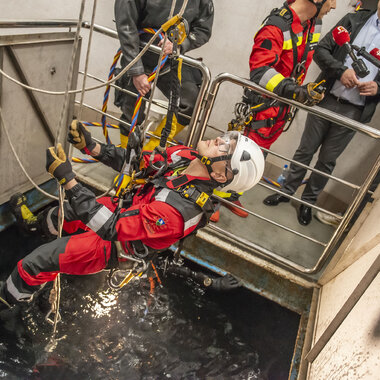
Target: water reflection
(178,331)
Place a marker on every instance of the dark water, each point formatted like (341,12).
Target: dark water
(178,332)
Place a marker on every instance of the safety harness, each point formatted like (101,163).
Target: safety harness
(247,110)
(188,195)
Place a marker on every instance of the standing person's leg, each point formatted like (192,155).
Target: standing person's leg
(335,142)
(127,104)
(81,254)
(191,82)
(188,96)
(311,139)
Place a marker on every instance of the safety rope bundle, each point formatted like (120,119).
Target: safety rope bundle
(136,111)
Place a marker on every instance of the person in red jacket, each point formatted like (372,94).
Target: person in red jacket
(161,212)
(281,55)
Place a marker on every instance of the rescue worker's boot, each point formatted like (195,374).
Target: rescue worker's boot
(153,142)
(30,223)
(25,219)
(123,140)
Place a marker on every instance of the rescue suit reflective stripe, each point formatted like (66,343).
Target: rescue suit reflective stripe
(280,45)
(159,216)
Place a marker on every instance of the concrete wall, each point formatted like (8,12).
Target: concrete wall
(353,352)
(236,22)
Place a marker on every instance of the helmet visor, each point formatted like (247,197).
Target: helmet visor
(227,142)
(227,145)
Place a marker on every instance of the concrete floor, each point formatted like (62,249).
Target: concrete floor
(271,237)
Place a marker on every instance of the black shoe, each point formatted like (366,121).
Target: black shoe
(275,199)
(25,219)
(304,216)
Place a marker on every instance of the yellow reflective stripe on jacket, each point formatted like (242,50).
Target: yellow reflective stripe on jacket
(272,84)
(288,43)
(271,79)
(315,38)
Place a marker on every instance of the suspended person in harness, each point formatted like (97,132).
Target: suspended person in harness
(154,216)
(281,55)
(133,19)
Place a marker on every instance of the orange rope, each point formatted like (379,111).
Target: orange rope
(155,271)
(152,285)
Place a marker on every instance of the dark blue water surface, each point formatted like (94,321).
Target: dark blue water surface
(177,331)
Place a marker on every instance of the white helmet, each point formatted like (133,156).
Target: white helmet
(247,164)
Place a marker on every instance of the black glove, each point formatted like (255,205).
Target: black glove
(308,94)
(80,137)
(58,165)
(225,283)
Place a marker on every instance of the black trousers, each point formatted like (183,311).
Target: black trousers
(191,80)
(332,140)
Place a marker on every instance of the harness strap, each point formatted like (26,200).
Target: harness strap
(191,193)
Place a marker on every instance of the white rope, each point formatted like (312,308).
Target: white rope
(114,79)
(61,194)
(142,52)
(122,72)
(19,162)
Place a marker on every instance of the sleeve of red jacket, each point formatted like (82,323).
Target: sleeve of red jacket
(126,17)
(266,52)
(156,224)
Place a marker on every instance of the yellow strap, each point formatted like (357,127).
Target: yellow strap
(128,278)
(180,61)
(123,140)
(257,106)
(222,194)
(287,45)
(316,37)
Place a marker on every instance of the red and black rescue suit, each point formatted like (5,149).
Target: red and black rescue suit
(160,213)
(281,55)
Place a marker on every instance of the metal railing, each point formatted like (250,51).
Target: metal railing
(202,111)
(69,23)
(318,111)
